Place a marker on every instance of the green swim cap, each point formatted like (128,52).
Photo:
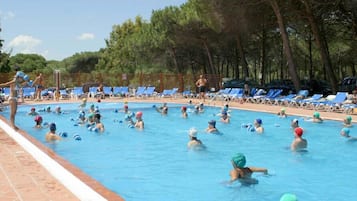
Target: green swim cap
(316,114)
(239,160)
(288,197)
(349,118)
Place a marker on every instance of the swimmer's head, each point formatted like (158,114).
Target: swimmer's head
(212,123)
(92,106)
(38,118)
(192,132)
(125,102)
(259,121)
(52,127)
(97,116)
(345,132)
(239,160)
(33,109)
(298,131)
(295,121)
(84,100)
(183,108)
(316,115)
(288,197)
(139,114)
(349,119)
(91,115)
(126,106)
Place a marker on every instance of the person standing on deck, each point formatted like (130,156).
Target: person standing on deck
(201,84)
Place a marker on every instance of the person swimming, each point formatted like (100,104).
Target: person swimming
(184,112)
(345,132)
(282,113)
(98,124)
(294,123)
(51,135)
(224,117)
(83,104)
(347,122)
(298,143)
(139,121)
(38,119)
(258,126)
(212,127)
(241,173)
(33,112)
(315,118)
(194,142)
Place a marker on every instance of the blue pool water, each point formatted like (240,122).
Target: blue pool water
(155,164)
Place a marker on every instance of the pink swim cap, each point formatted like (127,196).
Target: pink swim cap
(38,118)
(139,114)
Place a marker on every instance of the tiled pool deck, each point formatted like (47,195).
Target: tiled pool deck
(22,178)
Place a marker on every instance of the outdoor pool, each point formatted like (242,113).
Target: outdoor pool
(155,164)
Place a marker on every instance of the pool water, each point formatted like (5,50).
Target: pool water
(155,164)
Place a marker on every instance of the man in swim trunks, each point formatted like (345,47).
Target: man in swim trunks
(38,82)
(201,84)
(15,84)
(242,173)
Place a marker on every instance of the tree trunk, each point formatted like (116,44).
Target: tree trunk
(243,60)
(263,59)
(322,46)
(284,35)
(213,70)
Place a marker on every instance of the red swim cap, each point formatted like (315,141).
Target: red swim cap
(184,108)
(126,106)
(299,131)
(38,118)
(139,114)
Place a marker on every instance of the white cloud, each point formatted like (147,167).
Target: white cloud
(86,36)
(7,15)
(24,44)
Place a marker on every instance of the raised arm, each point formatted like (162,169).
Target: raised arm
(6,84)
(257,169)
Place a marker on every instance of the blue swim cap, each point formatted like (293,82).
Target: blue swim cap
(212,122)
(52,127)
(239,160)
(346,131)
(259,121)
(288,197)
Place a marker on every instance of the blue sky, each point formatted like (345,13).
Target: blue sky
(58,29)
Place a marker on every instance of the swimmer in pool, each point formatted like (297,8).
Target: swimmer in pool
(163,109)
(258,126)
(91,109)
(99,125)
(294,123)
(52,136)
(315,118)
(212,127)
(83,104)
(224,117)
(241,173)
(347,122)
(38,119)
(90,119)
(33,112)
(345,132)
(58,110)
(298,143)
(194,142)
(82,117)
(139,121)
(282,113)
(184,112)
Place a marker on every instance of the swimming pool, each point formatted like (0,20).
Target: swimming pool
(154,164)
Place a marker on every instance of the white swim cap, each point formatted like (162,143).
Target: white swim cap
(192,132)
